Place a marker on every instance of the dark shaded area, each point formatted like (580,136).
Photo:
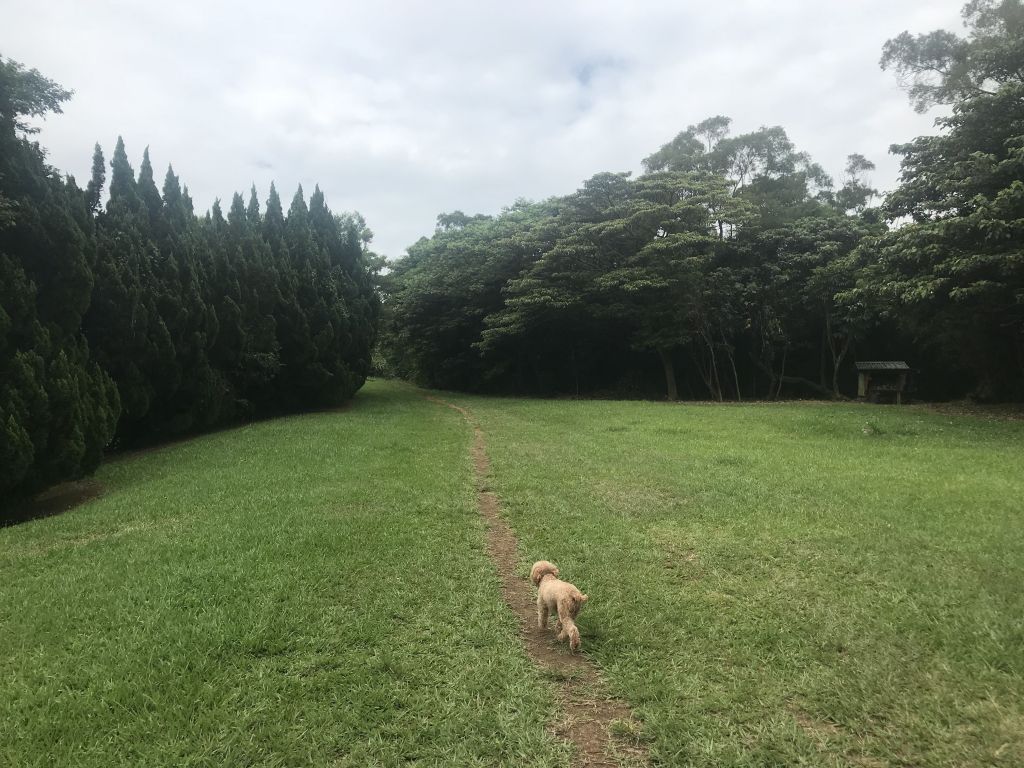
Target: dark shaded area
(53,501)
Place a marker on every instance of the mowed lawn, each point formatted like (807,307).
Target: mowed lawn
(307,591)
(771,585)
(785,584)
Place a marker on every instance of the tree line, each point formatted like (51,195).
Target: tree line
(734,267)
(134,320)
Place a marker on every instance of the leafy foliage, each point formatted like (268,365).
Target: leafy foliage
(954,275)
(709,257)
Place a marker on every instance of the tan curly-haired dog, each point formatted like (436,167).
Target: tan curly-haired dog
(558,597)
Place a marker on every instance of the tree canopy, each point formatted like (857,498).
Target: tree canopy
(715,256)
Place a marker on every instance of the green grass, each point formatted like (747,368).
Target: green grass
(798,584)
(307,591)
(771,585)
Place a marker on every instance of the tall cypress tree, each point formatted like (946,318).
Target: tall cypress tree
(123,195)
(149,195)
(252,211)
(124,324)
(351,304)
(57,408)
(94,191)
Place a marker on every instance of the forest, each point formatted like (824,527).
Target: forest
(735,267)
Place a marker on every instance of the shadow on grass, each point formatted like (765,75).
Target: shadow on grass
(53,501)
(64,497)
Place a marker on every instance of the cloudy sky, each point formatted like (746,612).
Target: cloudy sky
(402,110)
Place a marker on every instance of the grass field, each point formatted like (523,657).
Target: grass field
(798,584)
(283,594)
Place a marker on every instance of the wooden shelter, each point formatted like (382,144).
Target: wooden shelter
(882,380)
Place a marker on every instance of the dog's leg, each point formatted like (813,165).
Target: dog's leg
(571,633)
(574,638)
(542,613)
(567,609)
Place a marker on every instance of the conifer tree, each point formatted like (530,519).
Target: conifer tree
(149,195)
(57,408)
(94,191)
(123,195)
(253,209)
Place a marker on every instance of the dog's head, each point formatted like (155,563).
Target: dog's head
(541,569)
(577,602)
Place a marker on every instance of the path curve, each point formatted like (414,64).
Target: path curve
(588,711)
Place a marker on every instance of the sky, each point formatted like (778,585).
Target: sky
(404,110)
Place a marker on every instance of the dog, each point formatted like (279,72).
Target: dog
(558,597)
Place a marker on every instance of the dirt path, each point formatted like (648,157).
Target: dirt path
(588,712)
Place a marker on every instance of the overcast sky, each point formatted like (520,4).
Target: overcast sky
(403,110)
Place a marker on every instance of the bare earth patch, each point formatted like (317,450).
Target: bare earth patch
(600,727)
(54,501)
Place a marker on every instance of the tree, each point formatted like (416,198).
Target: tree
(954,276)
(941,67)
(57,408)
(856,192)
(26,93)
(94,191)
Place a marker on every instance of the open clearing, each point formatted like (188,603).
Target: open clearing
(790,584)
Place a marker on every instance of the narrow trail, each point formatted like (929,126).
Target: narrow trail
(588,711)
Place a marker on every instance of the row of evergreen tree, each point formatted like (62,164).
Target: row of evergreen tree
(136,320)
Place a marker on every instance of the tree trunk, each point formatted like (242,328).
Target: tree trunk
(702,365)
(575,373)
(670,373)
(822,364)
(835,368)
(782,373)
(717,392)
(732,362)
(823,391)
(838,350)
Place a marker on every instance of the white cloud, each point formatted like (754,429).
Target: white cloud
(403,110)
